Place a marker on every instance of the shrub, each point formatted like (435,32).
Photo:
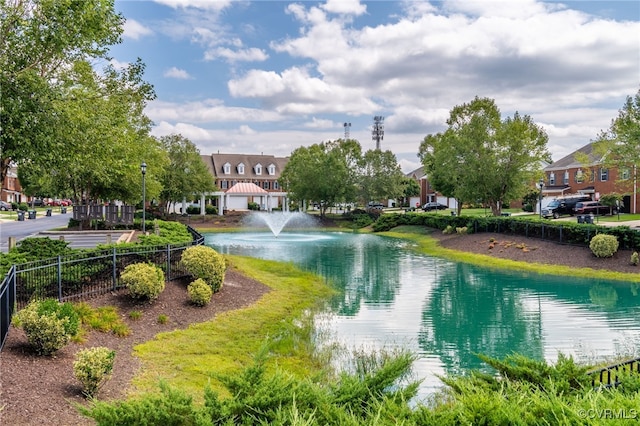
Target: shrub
(361,220)
(448,230)
(93,367)
(635,259)
(163,319)
(462,230)
(206,263)
(253,206)
(603,245)
(209,209)
(144,280)
(199,292)
(48,324)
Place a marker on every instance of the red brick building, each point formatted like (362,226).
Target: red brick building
(583,172)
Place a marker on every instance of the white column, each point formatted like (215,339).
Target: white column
(202,210)
(220,205)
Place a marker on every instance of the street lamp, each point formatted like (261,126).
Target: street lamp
(540,197)
(143,169)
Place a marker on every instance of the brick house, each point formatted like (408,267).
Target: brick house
(427,193)
(11,190)
(582,172)
(245,178)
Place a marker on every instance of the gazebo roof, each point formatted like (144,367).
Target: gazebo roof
(246,188)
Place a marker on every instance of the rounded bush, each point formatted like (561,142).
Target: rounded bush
(48,324)
(144,280)
(206,263)
(199,292)
(93,367)
(604,245)
(635,258)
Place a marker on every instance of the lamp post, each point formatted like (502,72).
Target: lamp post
(143,169)
(540,197)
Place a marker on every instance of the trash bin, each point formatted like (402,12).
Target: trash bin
(453,213)
(588,219)
(580,219)
(21,215)
(32,214)
(63,210)
(49,212)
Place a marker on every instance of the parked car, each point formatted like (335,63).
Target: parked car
(562,206)
(57,202)
(36,202)
(591,207)
(5,206)
(434,206)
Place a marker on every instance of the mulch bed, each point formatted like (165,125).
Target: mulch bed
(42,390)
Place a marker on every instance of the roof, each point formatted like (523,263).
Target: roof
(216,164)
(592,153)
(417,173)
(246,188)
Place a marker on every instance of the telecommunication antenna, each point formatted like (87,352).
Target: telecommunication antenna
(377,134)
(347,127)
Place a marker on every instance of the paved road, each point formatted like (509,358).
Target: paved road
(52,227)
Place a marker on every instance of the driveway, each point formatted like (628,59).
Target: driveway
(53,227)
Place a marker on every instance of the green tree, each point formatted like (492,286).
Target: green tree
(325,172)
(621,143)
(185,175)
(38,41)
(380,176)
(411,188)
(481,157)
(105,134)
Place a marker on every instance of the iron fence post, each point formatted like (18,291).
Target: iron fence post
(114,259)
(59,277)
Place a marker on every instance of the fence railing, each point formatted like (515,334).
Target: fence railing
(82,276)
(610,375)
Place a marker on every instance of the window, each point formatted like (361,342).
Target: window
(272,169)
(241,169)
(224,184)
(565,178)
(552,179)
(625,174)
(258,169)
(265,185)
(592,175)
(604,175)
(275,185)
(579,176)
(227,168)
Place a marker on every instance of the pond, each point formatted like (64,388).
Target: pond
(447,312)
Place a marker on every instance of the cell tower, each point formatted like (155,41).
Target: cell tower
(377,134)
(347,127)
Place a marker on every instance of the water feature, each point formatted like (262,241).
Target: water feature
(446,312)
(276,221)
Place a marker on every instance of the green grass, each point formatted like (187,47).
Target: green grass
(624,217)
(187,358)
(428,245)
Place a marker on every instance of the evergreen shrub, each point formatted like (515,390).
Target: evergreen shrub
(199,292)
(144,280)
(93,367)
(48,324)
(635,258)
(206,263)
(603,245)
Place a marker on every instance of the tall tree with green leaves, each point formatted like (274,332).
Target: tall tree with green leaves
(621,144)
(380,176)
(324,172)
(185,175)
(483,158)
(105,135)
(40,39)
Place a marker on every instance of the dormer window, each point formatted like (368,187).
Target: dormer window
(272,169)
(241,169)
(258,169)
(227,168)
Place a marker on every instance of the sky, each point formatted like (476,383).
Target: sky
(267,77)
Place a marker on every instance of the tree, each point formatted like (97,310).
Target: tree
(380,176)
(325,173)
(481,157)
(621,143)
(185,174)
(39,40)
(105,135)
(411,188)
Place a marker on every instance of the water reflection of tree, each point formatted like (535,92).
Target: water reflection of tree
(603,295)
(456,324)
(366,271)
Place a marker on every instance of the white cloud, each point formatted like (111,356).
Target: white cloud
(351,7)
(242,55)
(135,30)
(178,73)
(210,5)
(207,111)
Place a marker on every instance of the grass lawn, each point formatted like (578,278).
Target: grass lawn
(226,344)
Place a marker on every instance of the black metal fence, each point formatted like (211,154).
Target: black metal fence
(610,375)
(82,276)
